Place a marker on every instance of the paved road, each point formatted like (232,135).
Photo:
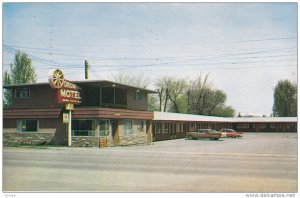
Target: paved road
(256,163)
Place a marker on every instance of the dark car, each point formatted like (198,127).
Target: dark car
(231,133)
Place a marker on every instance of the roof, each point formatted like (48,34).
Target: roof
(185,117)
(166,116)
(94,83)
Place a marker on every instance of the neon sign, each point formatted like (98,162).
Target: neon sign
(66,92)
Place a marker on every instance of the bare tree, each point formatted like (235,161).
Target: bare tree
(199,93)
(177,88)
(204,99)
(196,97)
(218,99)
(163,86)
(133,80)
(160,95)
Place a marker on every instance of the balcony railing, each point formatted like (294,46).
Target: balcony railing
(112,105)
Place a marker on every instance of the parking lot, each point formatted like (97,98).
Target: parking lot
(258,162)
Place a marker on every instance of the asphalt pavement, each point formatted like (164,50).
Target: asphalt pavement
(255,163)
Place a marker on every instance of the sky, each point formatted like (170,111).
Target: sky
(246,48)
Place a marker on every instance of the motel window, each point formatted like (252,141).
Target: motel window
(166,127)
(198,126)
(22,93)
(262,126)
(272,125)
(83,127)
(179,127)
(128,127)
(138,96)
(240,125)
(185,127)
(251,126)
(27,126)
(105,127)
(171,128)
(158,127)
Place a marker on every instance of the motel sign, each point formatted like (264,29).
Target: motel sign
(66,92)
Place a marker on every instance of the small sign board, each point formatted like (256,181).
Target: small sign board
(65,118)
(70,106)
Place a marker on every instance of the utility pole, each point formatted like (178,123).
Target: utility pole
(86,68)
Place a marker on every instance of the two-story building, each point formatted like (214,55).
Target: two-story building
(109,114)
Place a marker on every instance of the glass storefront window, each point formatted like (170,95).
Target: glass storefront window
(128,127)
(83,127)
(27,126)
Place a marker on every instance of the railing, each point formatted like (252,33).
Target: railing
(83,132)
(111,105)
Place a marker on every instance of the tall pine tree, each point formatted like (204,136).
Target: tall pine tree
(21,71)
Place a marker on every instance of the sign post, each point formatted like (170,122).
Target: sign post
(66,93)
(70,129)
(70,107)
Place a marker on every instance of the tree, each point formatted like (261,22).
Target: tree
(7,93)
(223,111)
(170,92)
(285,99)
(204,99)
(218,98)
(196,97)
(176,89)
(152,103)
(129,79)
(163,88)
(199,93)
(21,71)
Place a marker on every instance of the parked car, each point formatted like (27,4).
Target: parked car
(204,134)
(231,133)
(223,134)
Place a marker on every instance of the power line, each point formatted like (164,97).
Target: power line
(115,43)
(174,62)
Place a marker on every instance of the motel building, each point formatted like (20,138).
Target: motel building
(166,126)
(99,113)
(103,114)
